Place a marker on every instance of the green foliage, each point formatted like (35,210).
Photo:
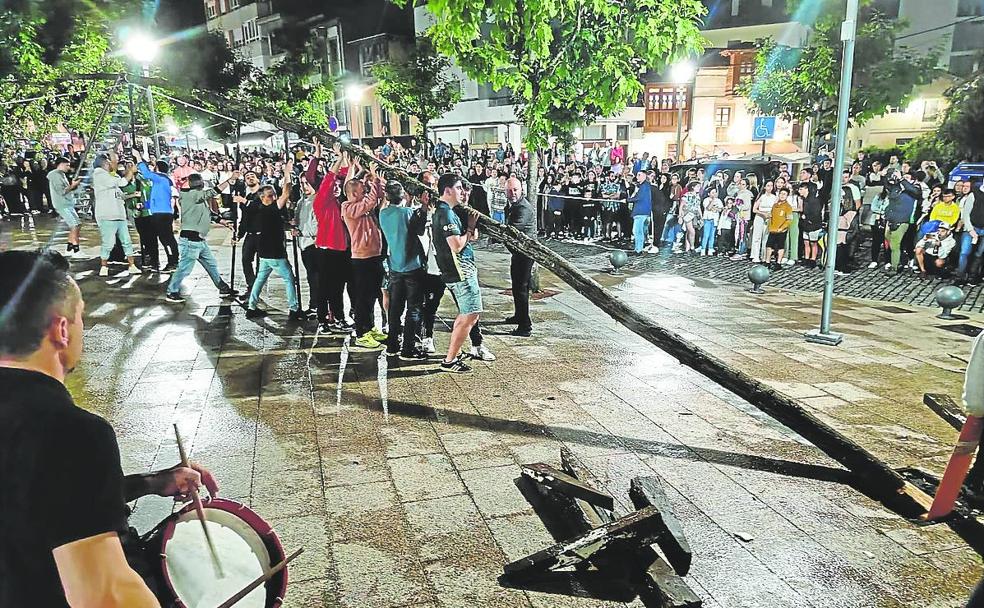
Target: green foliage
(963,120)
(35,57)
(419,86)
(566,62)
(930,147)
(797,83)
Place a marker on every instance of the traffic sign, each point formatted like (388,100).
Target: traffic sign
(332,124)
(764,128)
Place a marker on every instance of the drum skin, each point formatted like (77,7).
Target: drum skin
(276,587)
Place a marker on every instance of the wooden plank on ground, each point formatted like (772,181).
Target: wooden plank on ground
(573,467)
(648,492)
(946,408)
(632,532)
(562,482)
(663,588)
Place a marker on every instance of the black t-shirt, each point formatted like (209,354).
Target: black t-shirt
(60,481)
(251,220)
(271,239)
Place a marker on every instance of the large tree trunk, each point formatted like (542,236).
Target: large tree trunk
(872,475)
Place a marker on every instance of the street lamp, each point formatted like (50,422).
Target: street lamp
(823,335)
(143,49)
(354,93)
(681,74)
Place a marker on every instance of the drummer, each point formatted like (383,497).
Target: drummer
(63,495)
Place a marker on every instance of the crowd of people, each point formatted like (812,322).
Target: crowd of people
(354,232)
(400,251)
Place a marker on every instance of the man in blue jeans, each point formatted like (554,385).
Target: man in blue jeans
(642,211)
(272,251)
(197,215)
(972,216)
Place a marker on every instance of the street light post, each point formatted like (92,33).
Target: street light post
(143,49)
(681,73)
(823,335)
(153,113)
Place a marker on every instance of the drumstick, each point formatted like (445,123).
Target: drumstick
(260,580)
(199,510)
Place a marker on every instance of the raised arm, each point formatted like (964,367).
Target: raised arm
(285,189)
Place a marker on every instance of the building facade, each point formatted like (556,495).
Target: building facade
(715,118)
(248,28)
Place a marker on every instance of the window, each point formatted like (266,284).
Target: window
(901,141)
(384,120)
(404,125)
(894,110)
(931,110)
(594,132)
(484,135)
(622,133)
(722,122)
(371,53)
(233,4)
(968,36)
(970,8)
(250,31)
(964,65)
(210,9)
(662,104)
(367,130)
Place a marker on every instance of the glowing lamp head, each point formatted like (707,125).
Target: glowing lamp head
(682,72)
(354,92)
(141,48)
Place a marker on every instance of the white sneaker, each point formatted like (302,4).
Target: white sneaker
(78,255)
(702,253)
(427,345)
(104,271)
(481,353)
(888,266)
(711,252)
(133,269)
(654,249)
(872,265)
(755,261)
(789,262)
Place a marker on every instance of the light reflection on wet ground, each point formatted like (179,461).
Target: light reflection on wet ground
(398,479)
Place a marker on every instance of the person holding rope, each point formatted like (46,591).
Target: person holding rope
(198,211)
(64,537)
(272,251)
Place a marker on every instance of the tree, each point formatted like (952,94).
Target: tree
(420,86)
(566,62)
(799,83)
(963,119)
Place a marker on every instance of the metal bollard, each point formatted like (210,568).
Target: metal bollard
(758,275)
(950,297)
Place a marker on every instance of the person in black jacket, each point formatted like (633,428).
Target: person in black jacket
(522,216)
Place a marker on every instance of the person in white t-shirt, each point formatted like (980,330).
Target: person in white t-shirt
(762,210)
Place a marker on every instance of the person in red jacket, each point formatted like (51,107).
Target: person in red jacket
(361,201)
(332,256)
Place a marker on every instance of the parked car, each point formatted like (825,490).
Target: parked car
(972,171)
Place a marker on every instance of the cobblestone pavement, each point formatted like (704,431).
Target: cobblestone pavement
(399,480)
(906,288)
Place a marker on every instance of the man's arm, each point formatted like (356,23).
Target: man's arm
(95,574)
(285,190)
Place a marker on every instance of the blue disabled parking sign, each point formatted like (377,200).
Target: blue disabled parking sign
(764,128)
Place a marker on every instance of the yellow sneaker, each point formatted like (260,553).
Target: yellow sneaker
(377,335)
(366,340)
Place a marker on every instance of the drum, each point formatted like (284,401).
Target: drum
(247,546)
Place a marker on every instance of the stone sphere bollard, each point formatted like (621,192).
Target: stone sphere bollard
(758,275)
(950,297)
(618,258)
